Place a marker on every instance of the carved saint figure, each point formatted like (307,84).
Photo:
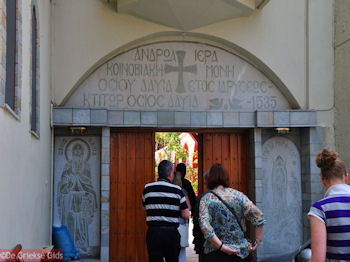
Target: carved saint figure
(282,196)
(76,199)
(279,178)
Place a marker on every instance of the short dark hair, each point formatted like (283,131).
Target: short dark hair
(218,176)
(182,169)
(164,168)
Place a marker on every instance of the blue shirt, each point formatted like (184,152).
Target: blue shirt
(334,211)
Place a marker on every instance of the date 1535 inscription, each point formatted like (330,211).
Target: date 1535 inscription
(192,77)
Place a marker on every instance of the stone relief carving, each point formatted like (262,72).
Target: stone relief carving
(282,196)
(178,76)
(77,191)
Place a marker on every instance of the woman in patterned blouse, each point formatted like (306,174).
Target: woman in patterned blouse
(225,240)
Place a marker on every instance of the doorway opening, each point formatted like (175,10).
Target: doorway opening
(132,165)
(180,148)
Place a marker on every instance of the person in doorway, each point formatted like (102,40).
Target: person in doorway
(222,214)
(198,238)
(186,184)
(164,203)
(183,227)
(329,217)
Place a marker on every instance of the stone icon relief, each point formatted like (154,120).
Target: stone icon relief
(77,191)
(282,200)
(181,76)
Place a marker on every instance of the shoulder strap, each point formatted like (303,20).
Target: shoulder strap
(229,208)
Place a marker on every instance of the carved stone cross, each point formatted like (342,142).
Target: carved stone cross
(180,69)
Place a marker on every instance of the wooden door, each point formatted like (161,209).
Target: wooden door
(230,150)
(132,166)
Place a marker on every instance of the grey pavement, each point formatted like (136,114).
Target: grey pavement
(191,255)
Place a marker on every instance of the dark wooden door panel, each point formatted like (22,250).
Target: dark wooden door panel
(132,161)
(230,150)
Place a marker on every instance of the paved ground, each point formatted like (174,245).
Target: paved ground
(191,255)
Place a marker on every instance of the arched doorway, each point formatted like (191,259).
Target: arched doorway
(172,85)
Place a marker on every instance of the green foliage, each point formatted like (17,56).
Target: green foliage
(171,145)
(192,175)
(170,142)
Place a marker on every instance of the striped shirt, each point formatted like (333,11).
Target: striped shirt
(163,202)
(334,211)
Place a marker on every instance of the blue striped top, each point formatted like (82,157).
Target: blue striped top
(334,211)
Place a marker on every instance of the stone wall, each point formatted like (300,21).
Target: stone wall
(309,141)
(342,79)
(105,163)
(312,189)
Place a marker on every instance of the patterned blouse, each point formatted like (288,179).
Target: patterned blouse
(215,218)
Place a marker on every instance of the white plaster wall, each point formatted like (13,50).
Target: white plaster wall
(24,159)
(84,31)
(321,54)
(276,36)
(342,79)
(87,30)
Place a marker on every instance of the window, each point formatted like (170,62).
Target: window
(11,44)
(10,90)
(34,94)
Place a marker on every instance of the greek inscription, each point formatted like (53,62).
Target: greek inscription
(219,71)
(102,100)
(145,101)
(205,56)
(115,84)
(251,86)
(158,86)
(134,70)
(182,102)
(154,55)
(203,86)
(184,76)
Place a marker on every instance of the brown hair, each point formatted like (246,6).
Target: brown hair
(218,175)
(181,167)
(330,163)
(177,179)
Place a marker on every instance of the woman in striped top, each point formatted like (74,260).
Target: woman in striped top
(330,217)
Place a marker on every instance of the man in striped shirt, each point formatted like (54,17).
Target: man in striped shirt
(164,203)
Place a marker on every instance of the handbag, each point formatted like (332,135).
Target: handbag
(183,231)
(252,255)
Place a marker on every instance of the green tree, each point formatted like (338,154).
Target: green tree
(170,144)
